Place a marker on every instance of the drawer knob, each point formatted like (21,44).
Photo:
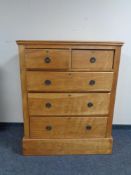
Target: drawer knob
(48,127)
(47,82)
(48,105)
(92,60)
(90,104)
(47,59)
(88,127)
(92,82)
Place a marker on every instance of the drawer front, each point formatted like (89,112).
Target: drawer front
(47,59)
(92,59)
(69,81)
(67,127)
(68,104)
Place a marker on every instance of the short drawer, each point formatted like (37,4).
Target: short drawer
(92,59)
(68,127)
(69,81)
(47,58)
(68,103)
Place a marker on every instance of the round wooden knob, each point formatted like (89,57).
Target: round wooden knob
(47,82)
(90,104)
(48,105)
(92,60)
(92,82)
(47,59)
(48,127)
(88,127)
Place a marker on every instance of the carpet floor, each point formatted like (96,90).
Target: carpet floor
(13,163)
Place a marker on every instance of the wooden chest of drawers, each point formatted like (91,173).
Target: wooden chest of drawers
(68,91)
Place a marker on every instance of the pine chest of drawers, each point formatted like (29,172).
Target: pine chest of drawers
(68,91)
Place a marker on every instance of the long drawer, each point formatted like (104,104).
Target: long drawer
(93,59)
(68,103)
(69,81)
(47,58)
(67,127)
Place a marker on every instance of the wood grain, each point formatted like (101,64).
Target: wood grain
(68,115)
(69,81)
(24,90)
(59,59)
(113,93)
(68,104)
(77,43)
(81,59)
(67,146)
(67,127)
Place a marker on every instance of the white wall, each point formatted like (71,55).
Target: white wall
(62,20)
